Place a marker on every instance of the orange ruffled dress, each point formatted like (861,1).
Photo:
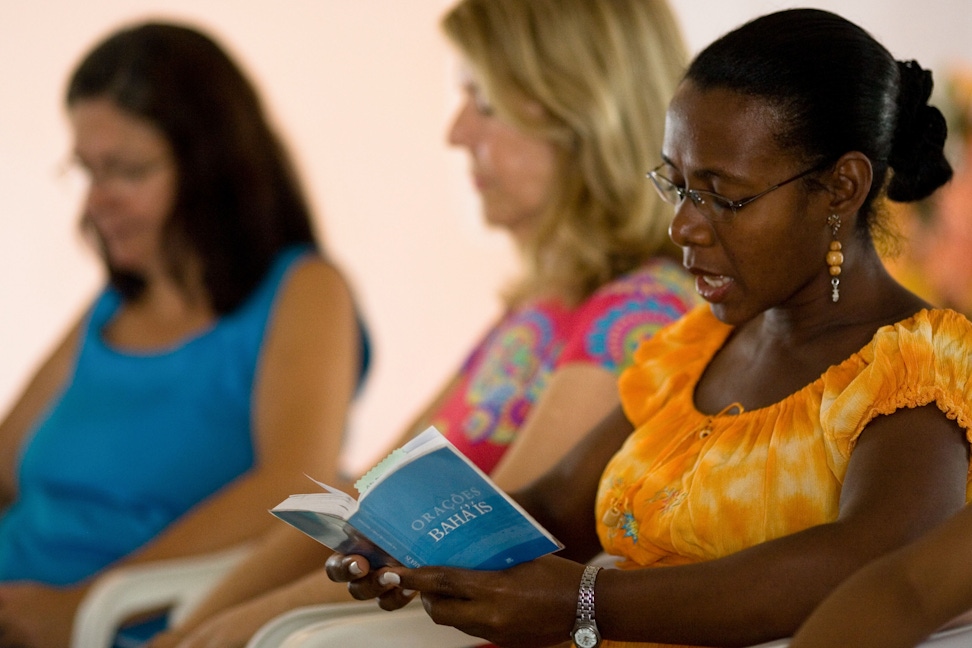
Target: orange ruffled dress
(688,487)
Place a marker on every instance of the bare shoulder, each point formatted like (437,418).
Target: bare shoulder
(914,433)
(904,460)
(315,276)
(314,291)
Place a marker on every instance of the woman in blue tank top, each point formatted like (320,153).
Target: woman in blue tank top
(213,370)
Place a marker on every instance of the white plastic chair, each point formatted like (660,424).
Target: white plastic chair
(274,632)
(958,637)
(176,584)
(410,627)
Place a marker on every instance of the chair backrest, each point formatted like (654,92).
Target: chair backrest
(176,583)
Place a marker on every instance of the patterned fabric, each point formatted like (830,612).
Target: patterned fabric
(688,487)
(135,440)
(508,370)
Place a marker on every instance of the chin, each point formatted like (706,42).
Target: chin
(493,219)
(503,217)
(730,316)
(126,260)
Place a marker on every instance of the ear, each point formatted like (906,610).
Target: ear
(849,183)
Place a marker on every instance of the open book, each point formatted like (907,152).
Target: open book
(424,504)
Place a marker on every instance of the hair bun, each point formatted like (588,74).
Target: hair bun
(917,152)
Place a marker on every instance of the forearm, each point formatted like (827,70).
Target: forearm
(236,514)
(563,500)
(901,598)
(283,556)
(312,589)
(576,399)
(756,595)
(890,618)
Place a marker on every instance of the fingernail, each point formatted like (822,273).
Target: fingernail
(389,578)
(407,592)
(354,569)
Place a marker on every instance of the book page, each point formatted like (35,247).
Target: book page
(420,445)
(330,530)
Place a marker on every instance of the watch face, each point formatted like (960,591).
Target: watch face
(585,637)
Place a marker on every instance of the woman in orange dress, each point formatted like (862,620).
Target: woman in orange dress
(815,415)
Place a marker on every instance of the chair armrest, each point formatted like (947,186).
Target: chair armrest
(177,584)
(274,632)
(407,628)
(953,637)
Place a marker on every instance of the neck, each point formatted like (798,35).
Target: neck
(869,297)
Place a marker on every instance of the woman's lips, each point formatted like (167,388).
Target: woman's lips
(713,288)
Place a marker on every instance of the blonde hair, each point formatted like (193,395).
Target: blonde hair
(603,72)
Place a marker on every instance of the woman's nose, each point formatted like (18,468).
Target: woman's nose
(97,195)
(689,227)
(463,125)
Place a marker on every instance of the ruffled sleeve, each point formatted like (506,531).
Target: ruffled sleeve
(924,359)
(670,362)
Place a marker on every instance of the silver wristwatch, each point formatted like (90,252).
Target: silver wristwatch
(585,633)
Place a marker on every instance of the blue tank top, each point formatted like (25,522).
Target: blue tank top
(135,440)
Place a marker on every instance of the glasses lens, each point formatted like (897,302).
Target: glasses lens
(666,188)
(713,206)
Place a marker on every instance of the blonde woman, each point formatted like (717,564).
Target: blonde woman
(563,114)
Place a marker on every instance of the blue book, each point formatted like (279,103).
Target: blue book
(424,504)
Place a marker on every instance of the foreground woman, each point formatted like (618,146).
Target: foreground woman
(813,417)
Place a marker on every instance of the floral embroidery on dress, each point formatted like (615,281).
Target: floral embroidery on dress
(630,526)
(671,497)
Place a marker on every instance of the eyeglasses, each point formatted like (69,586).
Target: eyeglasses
(116,175)
(711,205)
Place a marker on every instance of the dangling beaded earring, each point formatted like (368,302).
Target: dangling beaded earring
(835,257)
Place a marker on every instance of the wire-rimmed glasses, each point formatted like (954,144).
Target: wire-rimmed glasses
(123,176)
(711,205)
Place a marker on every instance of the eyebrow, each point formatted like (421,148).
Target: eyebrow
(708,174)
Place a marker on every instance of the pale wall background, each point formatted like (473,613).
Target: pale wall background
(362,91)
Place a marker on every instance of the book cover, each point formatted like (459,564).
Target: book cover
(425,504)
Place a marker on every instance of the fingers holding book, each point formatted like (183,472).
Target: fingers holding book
(365,584)
(489,604)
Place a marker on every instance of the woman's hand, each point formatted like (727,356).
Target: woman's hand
(364,584)
(533,604)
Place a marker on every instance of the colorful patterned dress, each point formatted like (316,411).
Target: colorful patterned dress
(506,373)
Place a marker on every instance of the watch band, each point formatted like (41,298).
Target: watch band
(585,633)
